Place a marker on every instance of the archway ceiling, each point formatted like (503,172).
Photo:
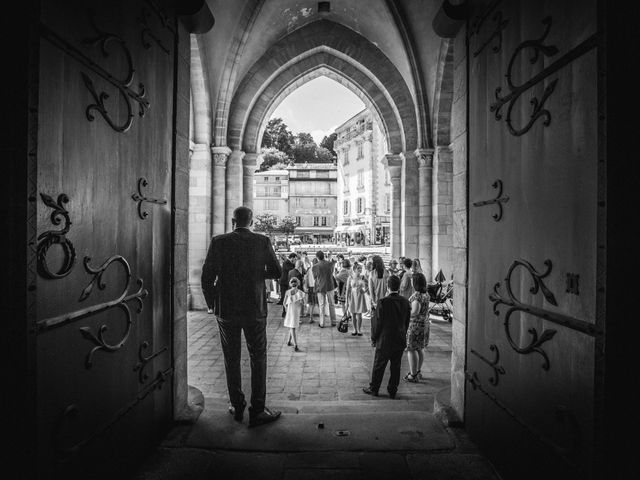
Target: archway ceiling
(360,61)
(257,24)
(322,63)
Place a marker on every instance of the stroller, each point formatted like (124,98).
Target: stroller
(441,297)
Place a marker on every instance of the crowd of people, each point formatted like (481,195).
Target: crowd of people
(355,284)
(240,264)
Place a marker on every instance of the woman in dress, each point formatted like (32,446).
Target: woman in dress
(341,278)
(355,300)
(293,302)
(377,282)
(418,331)
(308,283)
(416,267)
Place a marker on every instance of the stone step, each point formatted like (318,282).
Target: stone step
(316,432)
(380,404)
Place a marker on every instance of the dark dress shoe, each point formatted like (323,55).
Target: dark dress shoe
(392,395)
(238,412)
(267,416)
(368,391)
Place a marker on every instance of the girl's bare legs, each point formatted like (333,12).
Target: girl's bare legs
(357,322)
(292,333)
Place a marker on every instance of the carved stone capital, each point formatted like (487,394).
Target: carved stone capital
(220,156)
(424,156)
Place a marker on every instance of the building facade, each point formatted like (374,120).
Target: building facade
(364,189)
(313,200)
(271,193)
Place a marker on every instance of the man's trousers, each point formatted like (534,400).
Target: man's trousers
(255,334)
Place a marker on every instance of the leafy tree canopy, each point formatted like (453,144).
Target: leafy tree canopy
(273,159)
(266,222)
(304,138)
(277,135)
(328,142)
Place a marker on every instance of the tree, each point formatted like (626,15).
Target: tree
(328,142)
(287,226)
(304,153)
(266,222)
(273,159)
(304,138)
(277,135)
(324,156)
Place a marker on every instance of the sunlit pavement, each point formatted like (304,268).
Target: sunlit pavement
(331,366)
(364,437)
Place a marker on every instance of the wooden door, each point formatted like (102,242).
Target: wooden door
(535,308)
(104,179)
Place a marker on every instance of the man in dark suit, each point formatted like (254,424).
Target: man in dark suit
(324,286)
(287,266)
(389,336)
(233,284)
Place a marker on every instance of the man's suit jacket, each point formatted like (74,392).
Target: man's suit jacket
(234,272)
(389,328)
(287,266)
(323,276)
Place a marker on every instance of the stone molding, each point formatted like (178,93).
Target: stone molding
(424,157)
(220,156)
(250,159)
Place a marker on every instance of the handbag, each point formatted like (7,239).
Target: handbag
(343,324)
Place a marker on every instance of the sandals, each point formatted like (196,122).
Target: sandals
(410,378)
(418,375)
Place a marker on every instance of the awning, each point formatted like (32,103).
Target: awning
(341,228)
(356,228)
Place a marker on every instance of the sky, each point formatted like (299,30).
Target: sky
(318,107)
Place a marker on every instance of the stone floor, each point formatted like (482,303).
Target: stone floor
(332,366)
(329,428)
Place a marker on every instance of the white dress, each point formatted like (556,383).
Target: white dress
(293,304)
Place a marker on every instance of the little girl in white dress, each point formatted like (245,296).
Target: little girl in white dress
(293,302)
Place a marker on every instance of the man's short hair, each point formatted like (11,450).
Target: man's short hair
(293,255)
(346,263)
(304,253)
(407,262)
(242,216)
(320,255)
(393,260)
(393,284)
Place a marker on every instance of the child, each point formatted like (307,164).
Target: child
(293,302)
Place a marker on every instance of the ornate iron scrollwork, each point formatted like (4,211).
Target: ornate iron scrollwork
(140,366)
(497,369)
(121,302)
(104,39)
(500,25)
(537,340)
(148,35)
(516,91)
(140,198)
(498,200)
(56,237)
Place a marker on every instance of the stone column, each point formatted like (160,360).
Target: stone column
(220,157)
(199,219)
(233,186)
(393,162)
(443,211)
(249,165)
(410,206)
(424,157)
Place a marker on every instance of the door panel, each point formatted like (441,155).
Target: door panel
(533,225)
(105,125)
